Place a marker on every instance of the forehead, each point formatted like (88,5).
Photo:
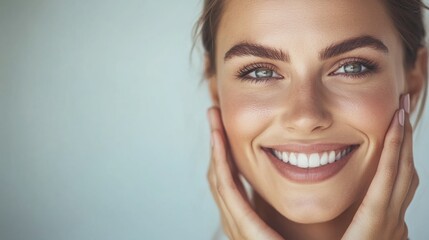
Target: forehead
(292,24)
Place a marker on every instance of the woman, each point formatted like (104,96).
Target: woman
(311,106)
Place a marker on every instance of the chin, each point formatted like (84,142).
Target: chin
(312,216)
(313,210)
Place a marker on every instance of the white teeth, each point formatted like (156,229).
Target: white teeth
(302,160)
(278,154)
(312,160)
(338,156)
(324,159)
(292,159)
(331,158)
(285,157)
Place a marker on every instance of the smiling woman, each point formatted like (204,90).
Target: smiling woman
(311,106)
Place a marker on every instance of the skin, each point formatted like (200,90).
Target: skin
(367,199)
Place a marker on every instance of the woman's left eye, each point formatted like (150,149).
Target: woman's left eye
(353,68)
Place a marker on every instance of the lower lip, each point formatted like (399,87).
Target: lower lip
(308,175)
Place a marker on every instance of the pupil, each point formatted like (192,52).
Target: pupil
(263,73)
(353,68)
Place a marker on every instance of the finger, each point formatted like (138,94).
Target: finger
(406,169)
(226,219)
(247,221)
(215,120)
(226,183)
(405,232)
(227,222)
(380,189)
(230,190)
(216,123)
(410,195)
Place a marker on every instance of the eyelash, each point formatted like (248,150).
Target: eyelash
(371,67)
(243,73)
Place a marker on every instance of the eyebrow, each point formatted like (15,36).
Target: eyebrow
(257,50)
(252,49)
(351,44)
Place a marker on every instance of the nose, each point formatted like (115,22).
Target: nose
(306,109)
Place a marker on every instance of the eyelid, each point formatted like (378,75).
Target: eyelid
(371,66)
(243,72)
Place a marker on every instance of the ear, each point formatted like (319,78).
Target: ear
(210,75)
(417,77)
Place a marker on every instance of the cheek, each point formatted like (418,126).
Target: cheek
(369,111)
(244,115)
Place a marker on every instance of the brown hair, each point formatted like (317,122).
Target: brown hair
(407,16)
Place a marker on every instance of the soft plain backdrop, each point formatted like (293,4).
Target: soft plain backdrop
(103,131)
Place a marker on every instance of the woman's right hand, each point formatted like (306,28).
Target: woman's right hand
(239,220)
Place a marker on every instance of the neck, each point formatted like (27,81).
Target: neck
(333,229)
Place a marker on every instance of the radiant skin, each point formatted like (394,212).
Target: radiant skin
(310,77)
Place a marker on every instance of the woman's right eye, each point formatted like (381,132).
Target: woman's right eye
(263,73)
(258,73)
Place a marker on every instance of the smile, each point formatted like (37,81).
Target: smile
(312,160)
(310,163)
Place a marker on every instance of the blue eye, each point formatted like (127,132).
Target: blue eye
(352,68)
(259,72)
(356,67)
(263,73)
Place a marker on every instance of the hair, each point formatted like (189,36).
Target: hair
(407,17)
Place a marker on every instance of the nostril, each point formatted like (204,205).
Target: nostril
(306,108)
(308,124)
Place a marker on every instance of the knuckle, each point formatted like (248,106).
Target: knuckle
(417,179)
(212,186)
(409,166)
(404,230)
(390,173)
(212,181)
(410,163)
(401,228)
(395,141)
(374,212)
(211,177)
(222,190)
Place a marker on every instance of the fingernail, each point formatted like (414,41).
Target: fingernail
(401,117)
(407,103)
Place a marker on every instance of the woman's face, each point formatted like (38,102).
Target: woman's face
(309,80)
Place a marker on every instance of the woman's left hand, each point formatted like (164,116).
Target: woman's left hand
(382,211)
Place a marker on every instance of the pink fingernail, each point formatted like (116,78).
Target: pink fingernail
(401,117)
(407,103)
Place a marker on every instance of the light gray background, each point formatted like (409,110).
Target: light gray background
(103,131)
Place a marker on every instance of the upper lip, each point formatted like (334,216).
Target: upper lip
(310,148)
